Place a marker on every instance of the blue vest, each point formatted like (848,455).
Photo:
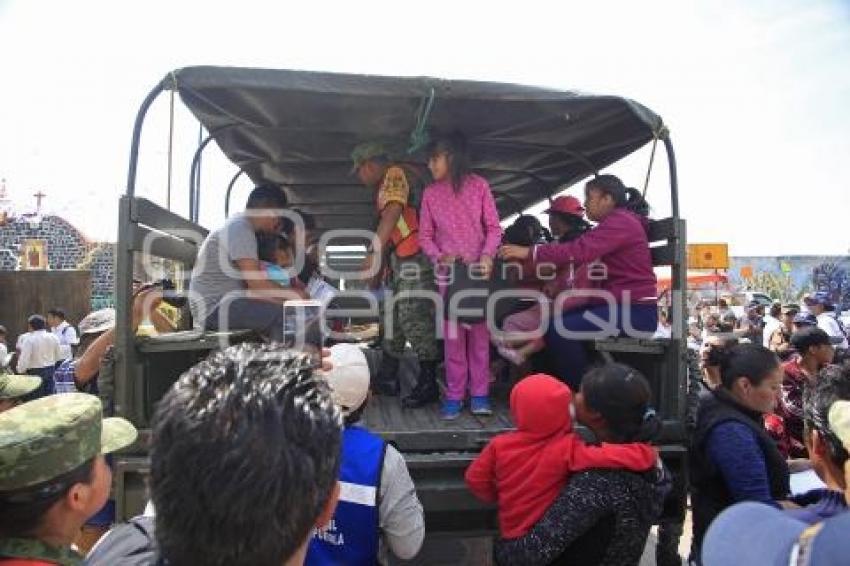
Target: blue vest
(351,538)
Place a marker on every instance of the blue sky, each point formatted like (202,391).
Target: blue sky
(756,94)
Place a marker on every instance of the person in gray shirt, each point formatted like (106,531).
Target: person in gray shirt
(378,512)
(229,289)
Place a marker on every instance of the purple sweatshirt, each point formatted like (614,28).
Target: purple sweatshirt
(619,242)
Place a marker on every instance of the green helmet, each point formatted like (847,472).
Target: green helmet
(53,435)
(16,386)
(368,150)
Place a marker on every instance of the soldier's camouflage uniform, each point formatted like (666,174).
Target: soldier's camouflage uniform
(47,438)
(413,317)
(33,549)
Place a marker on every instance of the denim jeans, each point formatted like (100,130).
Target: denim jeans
(569,354)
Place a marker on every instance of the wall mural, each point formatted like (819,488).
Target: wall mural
(787,278)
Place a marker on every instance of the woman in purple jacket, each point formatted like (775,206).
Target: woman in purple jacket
(619,264)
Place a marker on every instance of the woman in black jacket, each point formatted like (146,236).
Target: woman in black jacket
(732,456)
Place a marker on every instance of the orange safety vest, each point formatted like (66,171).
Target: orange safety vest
(404,239)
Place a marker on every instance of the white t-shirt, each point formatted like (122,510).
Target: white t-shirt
(39,350)
(827,323)
(21,339)
(663,332)
(67,336)
(215,274)
(770,326)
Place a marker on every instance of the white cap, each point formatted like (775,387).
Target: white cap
(348,377)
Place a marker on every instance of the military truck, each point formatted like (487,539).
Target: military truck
(297,129)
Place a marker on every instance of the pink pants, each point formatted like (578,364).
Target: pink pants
(528,320)
(467,357)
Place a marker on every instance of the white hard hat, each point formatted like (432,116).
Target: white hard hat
(348,377)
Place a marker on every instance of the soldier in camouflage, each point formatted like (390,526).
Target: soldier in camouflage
(15,388)
(410,274)
(53,475)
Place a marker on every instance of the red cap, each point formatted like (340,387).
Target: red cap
(566,205)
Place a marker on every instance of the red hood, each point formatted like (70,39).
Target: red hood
(540,405)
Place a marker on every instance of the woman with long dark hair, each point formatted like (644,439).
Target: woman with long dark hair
(733,458)
(616,253)
(459,227)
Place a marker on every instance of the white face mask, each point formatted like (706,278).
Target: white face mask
(573,413)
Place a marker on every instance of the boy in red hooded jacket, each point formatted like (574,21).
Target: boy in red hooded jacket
(523,471)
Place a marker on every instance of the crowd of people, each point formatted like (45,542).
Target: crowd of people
(769,380)
(259,455)
(48,342)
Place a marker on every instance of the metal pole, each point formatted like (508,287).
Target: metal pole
(137,136)
(194,175)
(170,150)
(678,276)
(674,178)
(198,176)
(229,190)
(649,169)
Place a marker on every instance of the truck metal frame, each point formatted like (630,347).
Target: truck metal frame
(295,129)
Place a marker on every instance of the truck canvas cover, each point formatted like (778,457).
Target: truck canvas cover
(297,129)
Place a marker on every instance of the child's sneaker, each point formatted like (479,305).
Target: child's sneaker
(481,406)
(450,410)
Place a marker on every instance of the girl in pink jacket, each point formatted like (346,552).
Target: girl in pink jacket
(458,222)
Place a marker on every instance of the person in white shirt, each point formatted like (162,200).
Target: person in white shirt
(821,305)
(665,329)
(723,308)
(39,354)
(772,323)
(4,349)
(66,333)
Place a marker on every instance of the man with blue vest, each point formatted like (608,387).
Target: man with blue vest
(378,510)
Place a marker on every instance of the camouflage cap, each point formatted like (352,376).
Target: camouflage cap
(839,421)
(45,438)
(366,151)
(98,321)
(14,386)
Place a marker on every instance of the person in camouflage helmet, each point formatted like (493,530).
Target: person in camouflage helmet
(245,457)
(53,475)
(15,388)
(413,318)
